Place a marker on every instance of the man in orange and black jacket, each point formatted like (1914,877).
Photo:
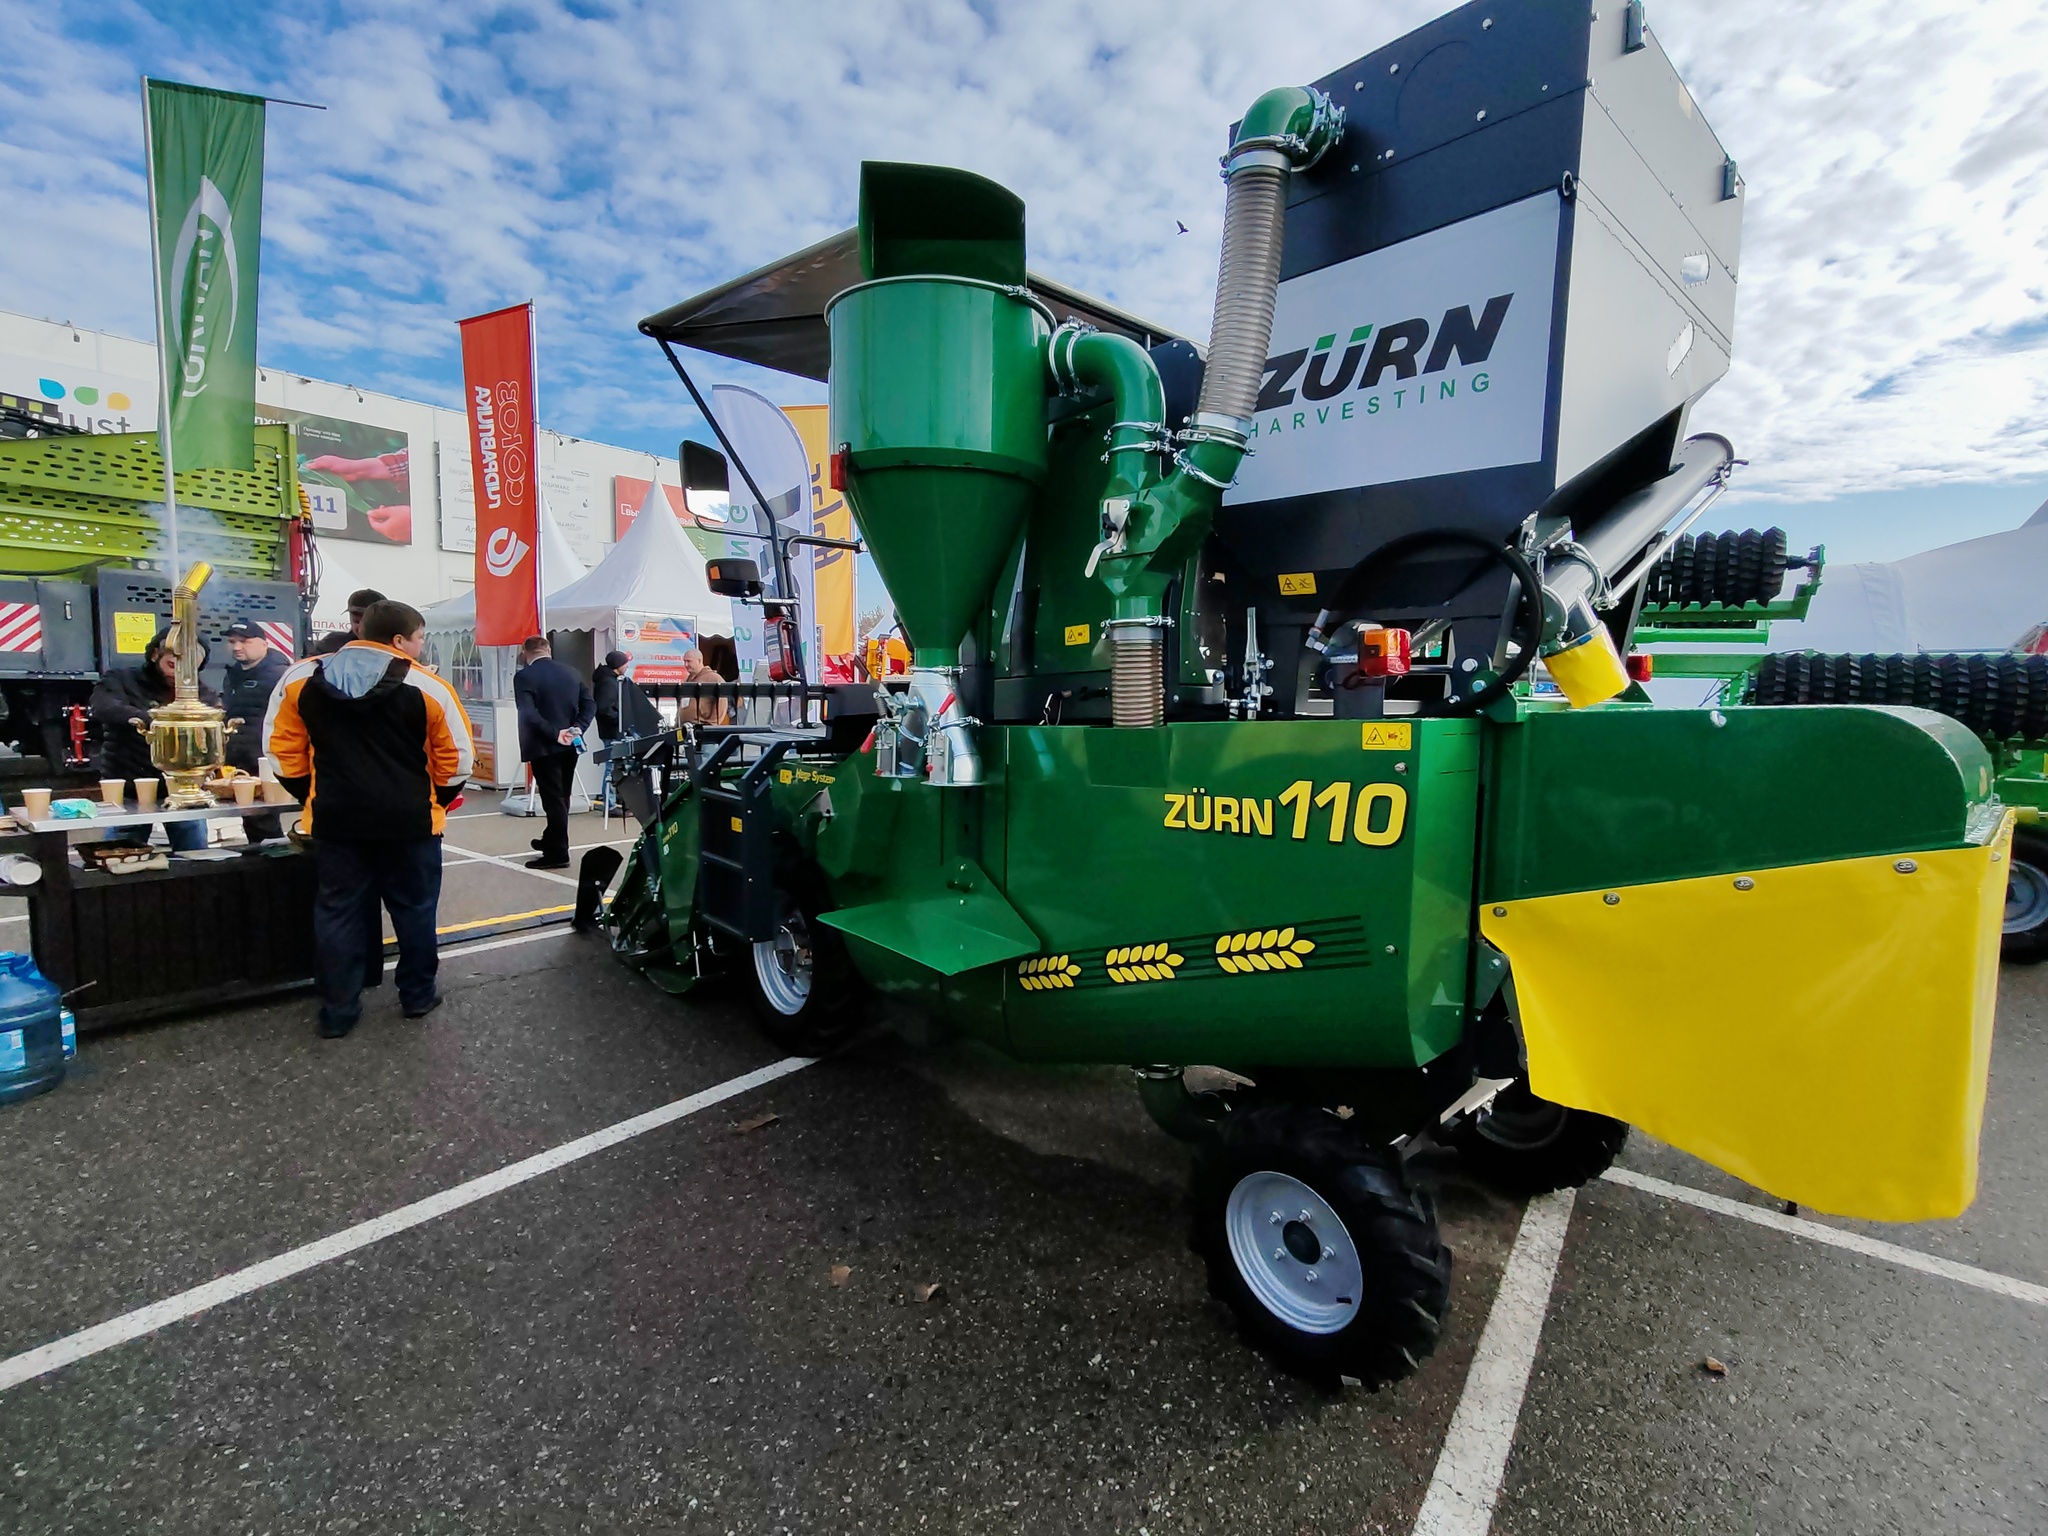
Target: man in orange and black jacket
(375,747)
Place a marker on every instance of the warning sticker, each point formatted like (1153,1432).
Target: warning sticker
(1387,736)
(1077,634)
(134,631)
(1298,584)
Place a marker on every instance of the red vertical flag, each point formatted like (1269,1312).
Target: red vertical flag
(497,385)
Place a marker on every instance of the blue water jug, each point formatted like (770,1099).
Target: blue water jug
(31,1030)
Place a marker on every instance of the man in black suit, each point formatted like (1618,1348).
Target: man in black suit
(555,709)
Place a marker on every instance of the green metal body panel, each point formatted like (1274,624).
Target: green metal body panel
(1092,842)
(69,501)
(1629,795)
(1065,610)
(938,391)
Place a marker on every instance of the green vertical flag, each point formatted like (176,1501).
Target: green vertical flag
(206,198)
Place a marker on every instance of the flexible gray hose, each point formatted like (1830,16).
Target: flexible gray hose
(1138,677)
(1243,325)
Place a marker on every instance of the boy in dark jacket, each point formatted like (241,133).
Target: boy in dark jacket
(123,699)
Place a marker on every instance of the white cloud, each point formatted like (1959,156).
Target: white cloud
(1891,324)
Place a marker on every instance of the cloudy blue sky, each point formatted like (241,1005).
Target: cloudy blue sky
(1891,376)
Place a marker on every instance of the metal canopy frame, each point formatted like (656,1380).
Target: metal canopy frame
(775,316)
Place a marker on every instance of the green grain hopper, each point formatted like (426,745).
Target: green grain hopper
(1268,711)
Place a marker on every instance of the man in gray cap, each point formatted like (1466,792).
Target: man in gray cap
(245,690)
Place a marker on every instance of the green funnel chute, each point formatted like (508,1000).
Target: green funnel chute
(938,393)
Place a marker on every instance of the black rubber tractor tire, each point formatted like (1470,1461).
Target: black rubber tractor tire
(2026,899)
(806,995)
(1523,1145)
(1402,1269)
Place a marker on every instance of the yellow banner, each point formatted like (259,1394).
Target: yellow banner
(831,518)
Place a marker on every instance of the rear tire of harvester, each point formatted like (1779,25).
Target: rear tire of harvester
(1524,1145)
(804,989)
(2026,899)
(1311,1234)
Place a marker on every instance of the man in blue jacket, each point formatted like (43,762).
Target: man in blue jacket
(555,709)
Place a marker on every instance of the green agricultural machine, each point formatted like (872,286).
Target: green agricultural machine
(1268,709)
(1717,596)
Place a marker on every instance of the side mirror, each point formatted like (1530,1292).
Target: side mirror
(731,576)
(703,468)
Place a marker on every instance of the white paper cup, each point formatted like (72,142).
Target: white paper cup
(114,792)
(36,803)
(145,793)
(245,791)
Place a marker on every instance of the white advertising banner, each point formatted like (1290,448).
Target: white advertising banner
(1425,358)
(580,501)
(457,495)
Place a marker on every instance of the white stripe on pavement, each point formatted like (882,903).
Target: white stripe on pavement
(470,855)
(72,1348)
(1474,1460)
(1835,1237)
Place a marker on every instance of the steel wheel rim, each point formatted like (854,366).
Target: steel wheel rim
(1263,1221)
(784,966)
(2026,897)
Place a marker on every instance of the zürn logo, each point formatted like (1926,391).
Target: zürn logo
(1397,349)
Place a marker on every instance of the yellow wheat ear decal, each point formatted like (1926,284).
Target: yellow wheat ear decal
(1262,949)
(1142,962)
(1047,973)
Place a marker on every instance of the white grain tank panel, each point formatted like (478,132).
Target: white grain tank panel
(1615,185)
(1646,100)
(1633,351)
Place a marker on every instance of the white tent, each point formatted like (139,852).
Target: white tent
(1977,595)
(559,568)
(654,570)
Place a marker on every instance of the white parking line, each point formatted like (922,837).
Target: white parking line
(471,856)
(1474,1460)
(1835,1237)
(72,1348)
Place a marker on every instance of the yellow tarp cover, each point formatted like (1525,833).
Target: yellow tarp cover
(1824,1034)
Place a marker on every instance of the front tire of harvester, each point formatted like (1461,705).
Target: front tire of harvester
(1524,1145)
(1312,1235)
(805,992)
(2026,900)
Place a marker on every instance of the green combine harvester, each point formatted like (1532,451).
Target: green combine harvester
(1719,597)
(1269,709)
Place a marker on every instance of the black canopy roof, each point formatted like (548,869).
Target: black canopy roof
(775,316)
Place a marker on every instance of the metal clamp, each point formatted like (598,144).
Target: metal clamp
(1570,551)
(1182,462)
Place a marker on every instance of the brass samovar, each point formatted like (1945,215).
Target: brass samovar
(187,739)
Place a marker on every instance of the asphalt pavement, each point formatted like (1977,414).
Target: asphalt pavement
(910,1288)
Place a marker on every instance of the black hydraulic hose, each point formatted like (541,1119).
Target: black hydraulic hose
(1351,592)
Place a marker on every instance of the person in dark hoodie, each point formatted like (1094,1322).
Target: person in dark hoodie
(376,747)
(123,700)
(604,689)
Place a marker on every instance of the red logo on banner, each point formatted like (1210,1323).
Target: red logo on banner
(497,385)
